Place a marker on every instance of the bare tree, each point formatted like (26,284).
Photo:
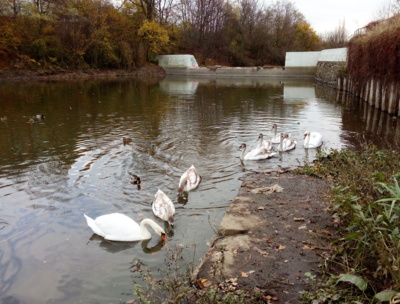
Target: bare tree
(202,21)
(165,11)
(10,8)
(336,38)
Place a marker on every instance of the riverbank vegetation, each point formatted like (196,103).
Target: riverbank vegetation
(365,260)
(103,34)
(373,54)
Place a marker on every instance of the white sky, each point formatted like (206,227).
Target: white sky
(326,15)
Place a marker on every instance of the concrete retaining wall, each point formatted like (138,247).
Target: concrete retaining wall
(379,94)
(301,59)
(297,64)
(303,72)
(183,61)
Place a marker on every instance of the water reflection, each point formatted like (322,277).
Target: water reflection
(367,123)
(75,161)
(147,246)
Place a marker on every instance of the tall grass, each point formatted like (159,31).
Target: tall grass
(365,198)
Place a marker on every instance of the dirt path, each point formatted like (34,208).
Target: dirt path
(271,236)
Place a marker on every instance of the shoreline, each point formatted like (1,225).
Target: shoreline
(272,234)
(149,72)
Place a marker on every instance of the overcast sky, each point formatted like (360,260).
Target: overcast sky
(326,15)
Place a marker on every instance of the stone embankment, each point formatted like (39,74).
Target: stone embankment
(273,233)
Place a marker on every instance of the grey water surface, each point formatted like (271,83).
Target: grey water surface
(53,170)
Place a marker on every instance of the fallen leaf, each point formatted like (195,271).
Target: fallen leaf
(232,280)
(204,283)
(299,219)
(281,247)
(271,298)
(251,271)
(244,274)
(303,227)
(268,190)
(309,247)
(327,232)
(261,208)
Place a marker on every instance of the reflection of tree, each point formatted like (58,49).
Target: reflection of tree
(10,266)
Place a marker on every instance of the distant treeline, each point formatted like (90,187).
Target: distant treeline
(77,34)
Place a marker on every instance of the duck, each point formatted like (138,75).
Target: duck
(163,207)
(126,140)
(189,180)
(135,179)
(267,144)
(312,140)
(276,138)
(119,227)
(286,143)
(255,154)
(40,116)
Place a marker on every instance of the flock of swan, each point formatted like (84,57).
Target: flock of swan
(119,227)
(265,150)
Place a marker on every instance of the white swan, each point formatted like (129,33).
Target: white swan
(286,143)
(267,144)
(119,227)
(189,180)
(163,207)
(255,154)
(276,138)
(312,140)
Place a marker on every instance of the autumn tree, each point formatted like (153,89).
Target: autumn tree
(306,38)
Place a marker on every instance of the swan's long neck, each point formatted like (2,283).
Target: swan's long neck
(261,141)
(281,145)
(307,140)
(182,185)
(143,227)
(242,154)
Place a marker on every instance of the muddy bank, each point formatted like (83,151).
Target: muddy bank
(274,231)
(149,72)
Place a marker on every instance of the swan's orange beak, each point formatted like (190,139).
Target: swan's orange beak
(163,237)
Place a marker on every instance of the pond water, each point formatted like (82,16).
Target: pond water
(73,161)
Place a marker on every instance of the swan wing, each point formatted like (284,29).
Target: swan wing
(267,144)
(258,154)
(193,178)
(190,179)
(163,207)
(118,227)
(287,144)
(92,224)
(276,139)
(315,140)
